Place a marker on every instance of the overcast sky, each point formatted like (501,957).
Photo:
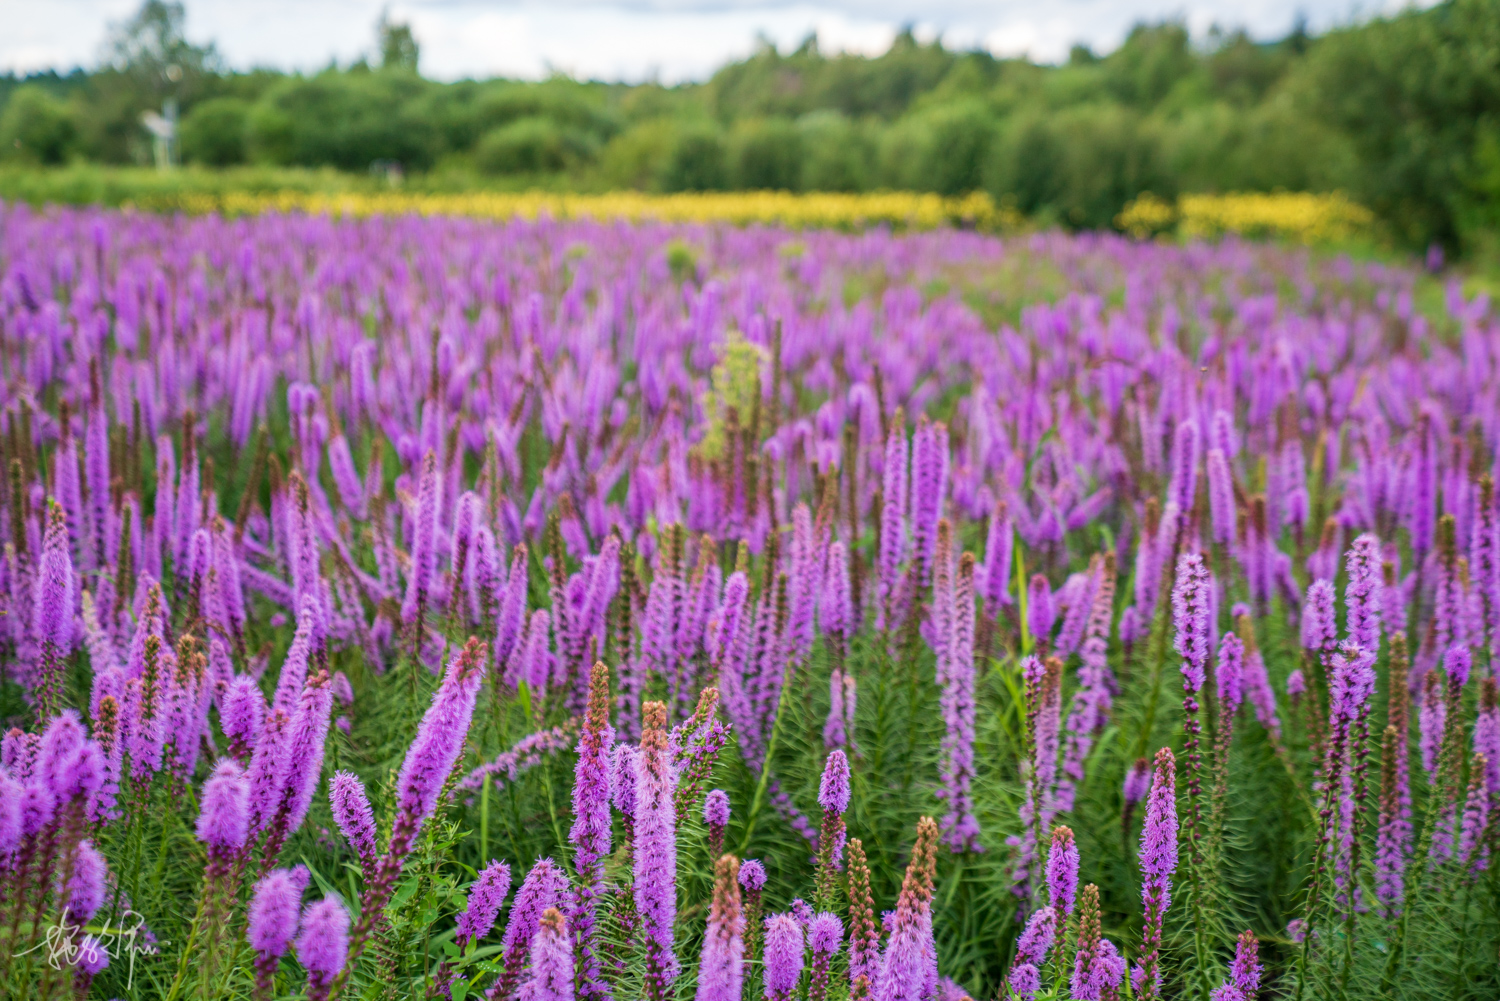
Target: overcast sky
(671,40)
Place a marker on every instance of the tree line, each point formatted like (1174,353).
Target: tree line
(1401,112)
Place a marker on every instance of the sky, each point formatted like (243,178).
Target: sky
(629,40)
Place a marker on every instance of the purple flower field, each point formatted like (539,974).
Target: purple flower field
(425,607)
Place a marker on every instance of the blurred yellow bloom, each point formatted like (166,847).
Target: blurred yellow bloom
(1299,216)
(900,209)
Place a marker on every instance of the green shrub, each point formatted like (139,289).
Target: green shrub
(36,127)
(696,162)
(532,145)
(765,154)
(213,132)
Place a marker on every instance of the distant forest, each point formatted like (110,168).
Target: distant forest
(1403,113)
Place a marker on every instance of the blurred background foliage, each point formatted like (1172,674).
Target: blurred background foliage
(1402,113)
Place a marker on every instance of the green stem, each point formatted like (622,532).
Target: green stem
(759,800)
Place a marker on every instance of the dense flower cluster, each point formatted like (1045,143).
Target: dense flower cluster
(370,562)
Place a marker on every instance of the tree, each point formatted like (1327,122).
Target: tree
(398,46)
(35,127)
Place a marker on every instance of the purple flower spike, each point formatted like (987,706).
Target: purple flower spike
(1062,872)
(323,945)
(716,819)
(716,808)
(833,789)
(223,819)
(551,961)
(271,921)
(1040,612)
(656,851)
(721,967)
(542,889)
(242,716)
(1158,861)
(752,875)
(1319,632)
(825,937)
(783,962)
(1190,605)
(86,884)
(355,819)
(590,832)
(485,898)
(1230,674)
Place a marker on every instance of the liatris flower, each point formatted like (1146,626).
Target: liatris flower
(1487,733)
(1229,673)
(994,579)
(590,832)
(1362,594)
(1220,497)
(351,810)
(485,898)
(1190,618)
(52,624)
(1062,872)
(299,767)
(929,487)
(1158,861)
(1319,632)
(833,797)
(551,961)
(908,968)
(1040,613)
(892,517)
(752,881)
(424,772)
(423,547)
(1244,970)
(438,743)
(864,934)
(323,945)
(656,851)
(1094,695)
(1190,607)
(92,959)
(1478,818)
(1432,721)
(957,679)
(716,819)
(1043,707)
(223,820)
(783,957)
(1032,947)
(542,890)
(1098,967)
(242,716)
(835,610)
(1183,488)
(86,883)
(271,921)
(721,964)
(825,936)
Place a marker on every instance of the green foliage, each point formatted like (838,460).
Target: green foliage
(213,133)
(736,384)
(532,145)
(765,154)
(344,120)
(36,127)
(696,161)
